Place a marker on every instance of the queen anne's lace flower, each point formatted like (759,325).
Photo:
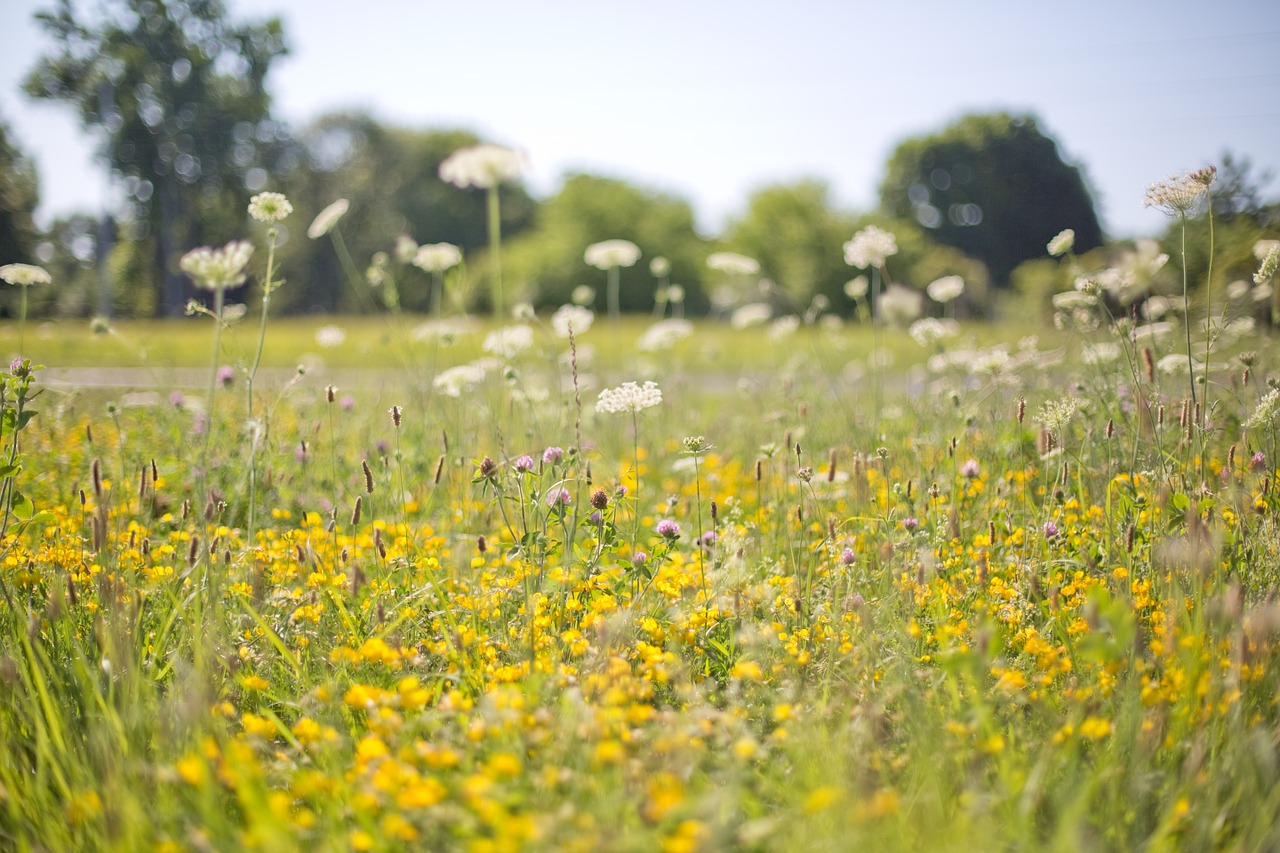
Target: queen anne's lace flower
(1062,242)
(482,166)
(664,334)
(509,341)
(217,269)
(571,318)
(455,380)
(24,274)
(269,207)
(946,288)
(437,257)
(870,247)
(629,397)
(326,219)
(731,263)
(612,253)
(1177,194)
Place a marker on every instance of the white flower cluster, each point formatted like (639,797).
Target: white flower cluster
(1269,266)
(1268,408)
(751,314)
(455,380)
(216,269)
(629,397)
(929,331)
(945,289)
(899,305)
(870,247)
(269,207)
(783,327)
(664,334)
(326,219)
(731,263)
(508,342)
(482,166)
(24,274)
(612,253)
(573,318)
(1062,243)
(1178,194)
(437,257)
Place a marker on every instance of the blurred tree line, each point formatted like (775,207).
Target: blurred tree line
(177,95)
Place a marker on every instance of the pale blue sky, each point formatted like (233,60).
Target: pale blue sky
(710,100)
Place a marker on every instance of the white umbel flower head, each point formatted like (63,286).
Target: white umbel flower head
(731,263)
(899,305)
(326,219)
(629,397)
(437,257)
(508,342)
(612,253)
(1062,242)
(24,275)
(269,207)
(484,166)
(571,318)
(216,269)
(1177,195)
(664,334)
(870,247)
(455,380)
(945,289)
(1269,266)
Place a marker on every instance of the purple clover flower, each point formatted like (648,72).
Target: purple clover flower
(552,455)
(668,529)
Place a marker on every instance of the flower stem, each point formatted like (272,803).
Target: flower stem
(495,248)
(1186,310)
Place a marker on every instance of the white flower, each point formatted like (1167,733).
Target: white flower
(659,267)
(508,342)
(406,249)
(870,247)
(664,334)
(1262,248)
(330,336)
(629,397)
(751,314)
(24,274)
(1266,412)
(675,294)
(582,295)
(215,269)
(483,166)
(1177,194)
(1175,364)
(988,362)
(455,380)
(326,219)
(269,207)
(612,253)
(1103,352)
(899,305)
(1072,299)
(1269,266)
(437,257)
(571,318)
(1062,243)
(731,263)
(945,289)
(1238,290)
(1152,332)
(856,288)
(783,327)
(1156,307)
(929,330)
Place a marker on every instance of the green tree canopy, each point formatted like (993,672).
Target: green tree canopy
(993,186)
(547,261)
(176,91)
(19,195)
(796,234)
(390,177)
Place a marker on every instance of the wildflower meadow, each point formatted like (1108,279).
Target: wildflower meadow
(772,580)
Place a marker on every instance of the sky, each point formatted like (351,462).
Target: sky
(712,100)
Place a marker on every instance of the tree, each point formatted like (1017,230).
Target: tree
(548,259)
(1237,190)
(390,177)
(994,187)
(796,235)
(19,195)
(176,91)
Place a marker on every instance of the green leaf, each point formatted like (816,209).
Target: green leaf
(23,508)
